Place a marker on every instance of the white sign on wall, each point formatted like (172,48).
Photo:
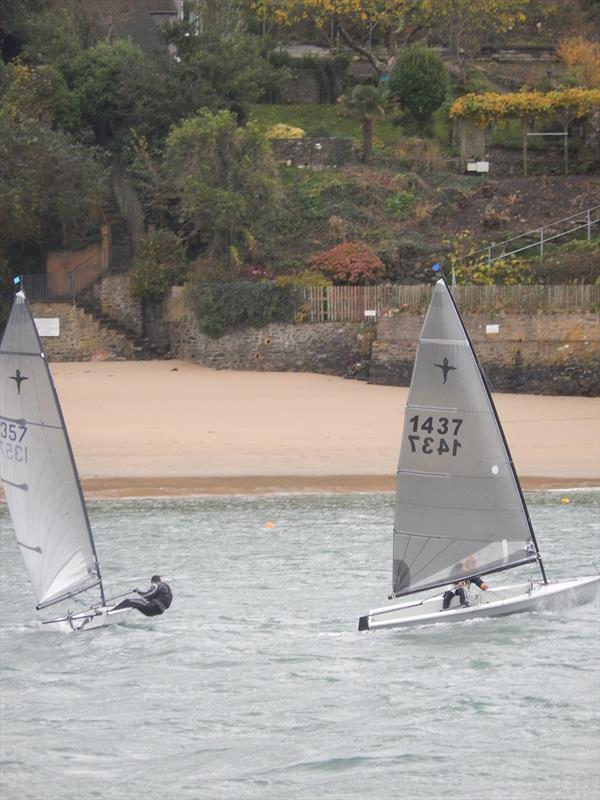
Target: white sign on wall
(492,328)
(47,326)
(478,166)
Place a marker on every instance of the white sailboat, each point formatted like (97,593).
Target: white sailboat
(460,511)
(40,481)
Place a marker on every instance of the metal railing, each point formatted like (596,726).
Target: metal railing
(64,287)
(540,237)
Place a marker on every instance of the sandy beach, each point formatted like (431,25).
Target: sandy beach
(155,428)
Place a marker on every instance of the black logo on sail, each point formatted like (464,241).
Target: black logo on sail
(18,379)
(445,367)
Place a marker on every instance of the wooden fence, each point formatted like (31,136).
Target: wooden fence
(364,303)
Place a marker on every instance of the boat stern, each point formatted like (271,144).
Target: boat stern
(363,623)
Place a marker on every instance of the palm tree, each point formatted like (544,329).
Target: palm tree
(367,103)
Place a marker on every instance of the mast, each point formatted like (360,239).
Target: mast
(500,429)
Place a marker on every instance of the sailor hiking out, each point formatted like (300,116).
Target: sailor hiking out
(153,601)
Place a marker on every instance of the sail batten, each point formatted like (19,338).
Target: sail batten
(38,471)
(459,508)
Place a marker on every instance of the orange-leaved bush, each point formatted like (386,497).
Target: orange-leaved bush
(349,262)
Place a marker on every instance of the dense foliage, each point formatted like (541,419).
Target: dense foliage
(349,263)
(582,59)
(50,187)
(159,263)
(77,96)
(419,82)
(224,180)
(220,307)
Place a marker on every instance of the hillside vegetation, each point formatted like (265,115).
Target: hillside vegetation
(187,120)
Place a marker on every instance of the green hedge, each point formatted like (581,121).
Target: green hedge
(220,307)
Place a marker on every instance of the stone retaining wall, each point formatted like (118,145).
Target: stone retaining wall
(541,354)
(314,152)
(81,337)
(329,348)
(537,354)
(118,304)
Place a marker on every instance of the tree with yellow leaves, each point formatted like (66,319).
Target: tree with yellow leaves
(464,23)
(354,20)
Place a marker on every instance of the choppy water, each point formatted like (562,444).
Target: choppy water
(256,683)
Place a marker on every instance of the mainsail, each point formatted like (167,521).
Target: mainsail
(37,468)
(459,507)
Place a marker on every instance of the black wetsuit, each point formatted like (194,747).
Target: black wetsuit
(460,591)
(153,602)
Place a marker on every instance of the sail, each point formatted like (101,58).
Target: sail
(37,469)
(459,508)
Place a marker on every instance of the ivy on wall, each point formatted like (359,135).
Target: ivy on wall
(219,307)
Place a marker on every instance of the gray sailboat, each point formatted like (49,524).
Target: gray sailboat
(460,511)
(40,481)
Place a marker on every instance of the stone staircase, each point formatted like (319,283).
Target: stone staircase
(139,347)
(121,250)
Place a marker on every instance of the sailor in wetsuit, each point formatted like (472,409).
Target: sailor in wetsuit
(153,601)
(460,588)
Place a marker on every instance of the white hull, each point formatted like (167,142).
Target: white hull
(495,602)
(88,620)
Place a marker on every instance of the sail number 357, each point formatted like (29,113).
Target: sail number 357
(434,436)
(11,436)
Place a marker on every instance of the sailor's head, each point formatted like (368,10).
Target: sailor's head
(469,563)
(155,579)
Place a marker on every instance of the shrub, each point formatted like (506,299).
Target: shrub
(283,131)
(159,264)
(224,306)
(349,262)
(419,82)
(304,280)
(400,204)
(469,268)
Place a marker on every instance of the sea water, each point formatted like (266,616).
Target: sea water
(257,684)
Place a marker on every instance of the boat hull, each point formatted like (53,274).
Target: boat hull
(495,602)
(88,620)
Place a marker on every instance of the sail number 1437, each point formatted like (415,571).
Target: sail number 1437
(437,436)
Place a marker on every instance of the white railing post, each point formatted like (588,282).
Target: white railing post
(541,244)
(589,224)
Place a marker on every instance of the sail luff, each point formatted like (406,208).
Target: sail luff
(501,431)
